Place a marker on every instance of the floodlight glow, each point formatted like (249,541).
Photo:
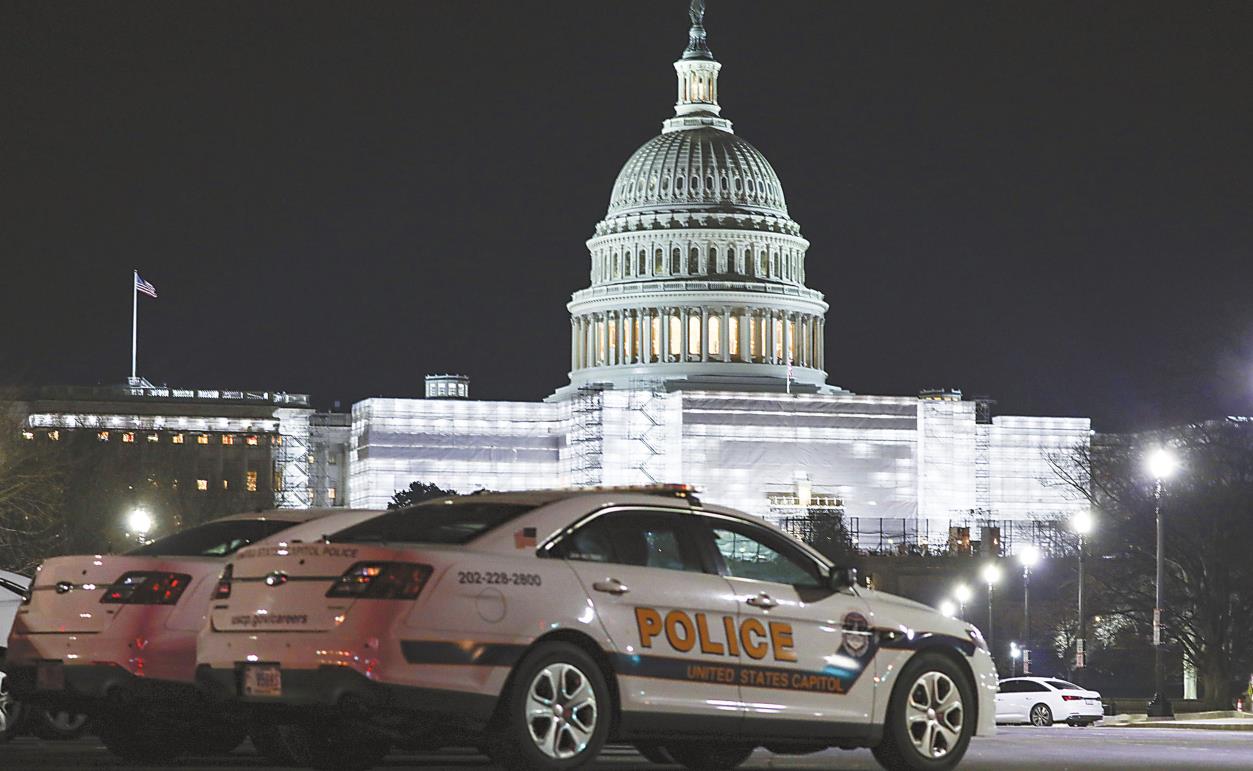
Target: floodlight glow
(1029,555)
(962,593)
(991,574)
(1081,522)
(1014,650)
(139,522)
(1161,463)
(947,608)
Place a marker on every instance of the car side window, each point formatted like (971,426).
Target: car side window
(1010,686)
(754,553)
(644,538)
(1027,685)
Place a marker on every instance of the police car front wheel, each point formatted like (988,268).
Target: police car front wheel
(930,717)
(556,711)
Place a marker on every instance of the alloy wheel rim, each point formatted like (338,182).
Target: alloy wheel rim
(934,715)
(561,711)
(1039,715)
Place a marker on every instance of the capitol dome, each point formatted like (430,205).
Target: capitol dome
(697,271)
(702,168)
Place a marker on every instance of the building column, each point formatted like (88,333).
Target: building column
(622,358)
(664,323)
(746,328)
(768,316)
(820,342)
(726,334)
(704,333)
(574,348)
(683,334)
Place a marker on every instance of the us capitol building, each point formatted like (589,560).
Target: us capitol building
(697,354)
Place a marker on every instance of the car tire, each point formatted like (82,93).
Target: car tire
(12,715)
(708,756)
(934,694)
(654,753)
(562,678)
(1041,716)
(58,724)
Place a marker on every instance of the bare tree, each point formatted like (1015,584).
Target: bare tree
(32,478)
(1208,611)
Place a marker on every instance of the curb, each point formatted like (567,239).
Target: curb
(1189,726)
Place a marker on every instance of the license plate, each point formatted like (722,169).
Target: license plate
(1089,701)
(49,676)
(263,680)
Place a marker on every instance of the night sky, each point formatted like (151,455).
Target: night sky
(1050,203)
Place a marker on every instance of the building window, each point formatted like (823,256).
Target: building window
(676,261)
(153,438)
(612,325)
(693,261)
(103,436)
(250,481)
(202,439)
(330,494)
(712,267)
(202,485)
(228,439)
(176,439)
(778,339)
(251,440)
(693,335)
(715,336)
(128,437)
(733,336)
(654,347)
(54,435)
(659,263)
(676,335)
(28,434)
(226,485)
(761,263)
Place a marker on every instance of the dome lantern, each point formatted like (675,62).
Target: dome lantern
(697,71)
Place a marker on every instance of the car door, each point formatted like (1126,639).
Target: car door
(1009,702)
(803,648)
(666,612)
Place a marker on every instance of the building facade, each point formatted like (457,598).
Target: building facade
(698,354)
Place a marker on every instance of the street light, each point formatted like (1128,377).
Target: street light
(961,593)
(1161,463)
(1081,523)
(991,576)
(947,608)
(1014,653)
(139,522)
(1028,555)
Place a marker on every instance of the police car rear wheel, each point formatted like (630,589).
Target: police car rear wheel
(928,725)
(705,756)
(556,711)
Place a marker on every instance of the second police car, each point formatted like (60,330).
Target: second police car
(540,625)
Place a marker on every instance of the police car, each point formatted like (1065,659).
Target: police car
(540,625)
(115,635)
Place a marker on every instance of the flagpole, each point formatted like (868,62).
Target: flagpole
(134,320)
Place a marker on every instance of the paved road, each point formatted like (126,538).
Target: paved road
(1056,749)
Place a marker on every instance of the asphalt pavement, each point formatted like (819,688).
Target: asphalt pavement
(1057,749)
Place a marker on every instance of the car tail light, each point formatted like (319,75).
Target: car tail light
(1068,697)
(223,590)
(146,588)
(381,581)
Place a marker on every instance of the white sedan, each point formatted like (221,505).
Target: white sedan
(1041,701)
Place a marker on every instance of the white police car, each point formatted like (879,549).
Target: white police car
(543,624)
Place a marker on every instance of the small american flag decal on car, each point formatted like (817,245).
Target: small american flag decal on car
(524,538)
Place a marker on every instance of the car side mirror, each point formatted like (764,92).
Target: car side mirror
(841,578)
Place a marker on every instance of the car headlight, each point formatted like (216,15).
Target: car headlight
(976,637)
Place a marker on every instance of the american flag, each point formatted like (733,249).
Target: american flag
(144,286)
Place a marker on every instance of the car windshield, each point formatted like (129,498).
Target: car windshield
(1063,685)
(215,539)
(454,523)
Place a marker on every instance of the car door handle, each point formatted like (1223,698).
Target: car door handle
(762,600)
(611,586)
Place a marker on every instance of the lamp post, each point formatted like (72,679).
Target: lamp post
(1161,464)
(1028,556)
(1081,522)
(991,575)
(961,593)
